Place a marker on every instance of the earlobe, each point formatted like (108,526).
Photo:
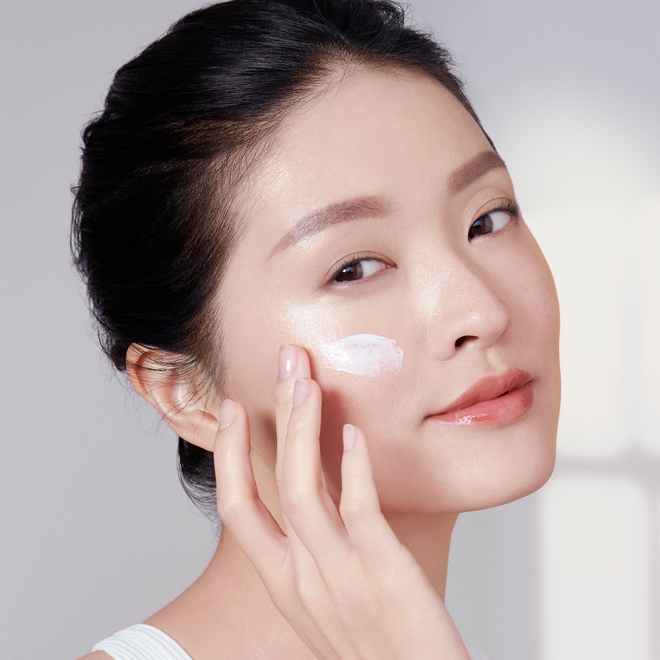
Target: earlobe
(176,399)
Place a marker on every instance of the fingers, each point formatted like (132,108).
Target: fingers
(301,462)
(293,364)
(369,531)
(239,506)
(311,521)
(308,508)
(310,515)
(359,499)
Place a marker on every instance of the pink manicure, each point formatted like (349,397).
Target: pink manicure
(299,392)
(349,437)
(227,414)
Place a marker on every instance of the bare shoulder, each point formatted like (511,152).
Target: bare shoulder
(97,655)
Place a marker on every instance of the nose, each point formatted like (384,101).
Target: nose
(467,313)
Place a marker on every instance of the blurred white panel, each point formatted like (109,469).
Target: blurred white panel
(582,244)
(647,249)
(595,567)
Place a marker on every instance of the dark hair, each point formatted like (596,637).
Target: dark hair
(153,225)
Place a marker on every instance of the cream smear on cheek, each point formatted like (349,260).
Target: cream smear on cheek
(363,355)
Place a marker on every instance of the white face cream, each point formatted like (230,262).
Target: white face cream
(363,355)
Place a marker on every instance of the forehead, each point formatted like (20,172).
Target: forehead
(394,134)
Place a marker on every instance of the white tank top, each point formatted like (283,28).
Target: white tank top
(144,642)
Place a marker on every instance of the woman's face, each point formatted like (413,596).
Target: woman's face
(361,219)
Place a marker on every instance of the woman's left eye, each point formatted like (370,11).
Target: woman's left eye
(490,222)
(358,270)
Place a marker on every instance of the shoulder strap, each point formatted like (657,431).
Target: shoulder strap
(142,642)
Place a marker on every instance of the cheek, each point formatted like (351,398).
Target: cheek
(361,375)
(532,296)
(375,404)
(250,350)
(251,344)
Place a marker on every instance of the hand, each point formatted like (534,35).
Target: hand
(341,578)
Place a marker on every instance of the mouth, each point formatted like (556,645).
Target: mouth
(491,401)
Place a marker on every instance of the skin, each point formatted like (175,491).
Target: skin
(460,309)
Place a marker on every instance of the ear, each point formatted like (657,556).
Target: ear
(178,401)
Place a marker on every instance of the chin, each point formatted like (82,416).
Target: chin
(468,471)
(509,462)
(508,489)
(521,471)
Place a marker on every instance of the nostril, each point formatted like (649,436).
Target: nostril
(461,340)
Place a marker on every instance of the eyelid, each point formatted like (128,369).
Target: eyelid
(508,205)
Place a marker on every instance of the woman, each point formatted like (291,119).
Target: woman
(297,195)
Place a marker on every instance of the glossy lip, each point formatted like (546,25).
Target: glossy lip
(491,401)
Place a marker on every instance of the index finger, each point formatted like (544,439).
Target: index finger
(293,364)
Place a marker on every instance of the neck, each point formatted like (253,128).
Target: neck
(427,536)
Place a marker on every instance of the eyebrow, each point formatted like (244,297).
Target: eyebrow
(475,168)
(351,209)
(374,207)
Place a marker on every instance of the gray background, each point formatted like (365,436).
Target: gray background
(96,532)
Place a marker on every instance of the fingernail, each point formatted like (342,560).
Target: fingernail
(287,360)
(227,414)
(349,437)
(299,392)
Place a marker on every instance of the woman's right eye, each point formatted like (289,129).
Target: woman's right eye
(358,270)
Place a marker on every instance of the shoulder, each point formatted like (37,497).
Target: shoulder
(96,655)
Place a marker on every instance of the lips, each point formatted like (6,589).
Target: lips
(491,401)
